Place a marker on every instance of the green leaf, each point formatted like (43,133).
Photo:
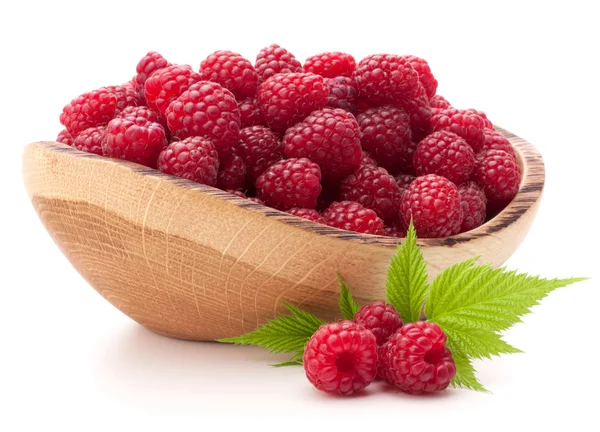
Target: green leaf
(473,342)
(465,375)
(406,285)
(295,360)
(347,304)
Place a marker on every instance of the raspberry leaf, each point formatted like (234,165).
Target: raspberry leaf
(465,375)
(348,306)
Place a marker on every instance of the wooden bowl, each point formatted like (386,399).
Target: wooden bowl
(193,262)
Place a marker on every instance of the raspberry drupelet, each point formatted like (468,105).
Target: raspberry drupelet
(352,216)
(194,158)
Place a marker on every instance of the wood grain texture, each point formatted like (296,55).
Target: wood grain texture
(193,262)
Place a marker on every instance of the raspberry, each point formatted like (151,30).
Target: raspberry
(165,85)
(473,203)
(232,173)
(126,96)
(498,174)
(352,216)
(439,102)
(374,188)
(90,140)
(65,137)
(426,78)
(287,98)
(290,183)
(386,78)
(273,60)
(366,159)
(331,64)
(342,93)
(446,154)
(420,113)
(243,195)
(194,158)
(329,137)
(206,109)
(260,148)
(134,139)
(385,133)
(250,114)
(433,202)
(232,71)
(404,181)
(417,360)
(145,112)
(464,123)
(341,358)
(494,140)
(488,123)
(149,64)
(95,108)
(395,230)
(382,365)
(305,213)
(381,318)
(406,165)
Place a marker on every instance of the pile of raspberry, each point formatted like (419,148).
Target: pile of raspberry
(345,357)
(362,146)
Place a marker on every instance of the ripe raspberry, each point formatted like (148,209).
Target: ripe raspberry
(144,112)
(433,202)
(426,78)
(329,137)
(396,230)
(149,64)
(330,194)
(206,109)
(473,203)
(374,188)
(386,78)
(90,140)
(65,137)
(260,148)
(134,139)
(366,159)
(243,195)
(499,175)
(126,96)
(381,318)
(290,183)
(417,360)
(446,154)
(232,71)
(250,114)
(463,123)
(194,158)
(382,364)
(362,105)
(385,133)
(232,173)
(287,98)
(352,216)
(331,64)
(488,123)
(341,358)
(165,85)
(273,60)
(404,181)
(95,108)
(406,165)
(439,102)
(342,93)
(305,213)
(420,113)
(494,140)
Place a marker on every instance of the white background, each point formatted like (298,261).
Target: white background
(72,361)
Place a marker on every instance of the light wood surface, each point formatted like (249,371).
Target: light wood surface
(193,262)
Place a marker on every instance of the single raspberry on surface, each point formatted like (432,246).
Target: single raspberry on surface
(404,181)
(275,59)
(305,213)
(397,230)
(352,216)
(90,140)
(194,158)
(419,112)
(426,78)
(232,71)
(287,98)
(329,137)
(331,64)
(144,112)
(446,154)
(126,96)
(374,188)
(149,64)
(342,93)
(250,114)
(417,360)
(439,102)
(433,202)
(473,203)
(243,195)
(290,183)
(134,139)
(95,108)
(494,140)
(366,159)
(65,137)
(260,148)
(167,84)
(499,175)
(232,173)
(206,109)
(464,123)
(381,318)
(341,358)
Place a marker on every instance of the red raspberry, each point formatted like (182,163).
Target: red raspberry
(305,213)
(366,159)
(243,195)
(232,173)
(433,202)
(329,137)
(342,93)
(287,98)
(250,114)
(488,123)
(126,96)
(446,154)
(420,113)
(194,158)
(374,188)
(341,358)
(273,60)
(395,230)
(404,181)
(352,216)
(473,203)
(417,360)
(386,78)
(134,139)
(406,165)
(499,175)
(149,64)
(90,140)
(385,133)
(382,364)
(206,109)
(260,148)
(232,71)
(439,102)
(65,137)
(145,112)
(381,318)
(290,183)
(463,123)
(362,105)
(426,78)
(494,140)
(165,85)
(331,64)
(95,108)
